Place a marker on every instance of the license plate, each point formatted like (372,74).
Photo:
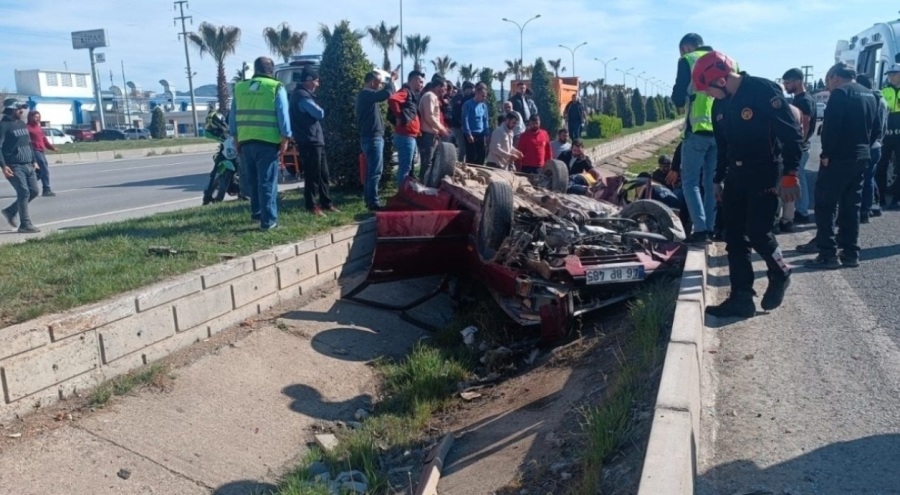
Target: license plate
(615,274)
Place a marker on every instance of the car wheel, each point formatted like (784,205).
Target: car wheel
(655,217)
(443,165)
(496,219)
(555,176)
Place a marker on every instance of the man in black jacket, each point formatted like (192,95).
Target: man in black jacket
(522,103)
(456,119)
(18,164)
(306,127)
(753,126)
(850,127)
(371,132)
(575,159)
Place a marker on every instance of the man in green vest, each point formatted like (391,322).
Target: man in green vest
(890,149)
(698,152)
(260,124)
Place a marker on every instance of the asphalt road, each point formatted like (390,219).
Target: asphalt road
(806,399)
(93,193)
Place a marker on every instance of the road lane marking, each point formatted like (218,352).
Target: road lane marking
(145,166)
(88,217)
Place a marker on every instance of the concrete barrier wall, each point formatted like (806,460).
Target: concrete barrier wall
(55,356)
(670,464)
(603,151)
(104,156)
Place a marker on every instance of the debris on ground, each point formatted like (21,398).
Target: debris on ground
(124,474)
(327,442)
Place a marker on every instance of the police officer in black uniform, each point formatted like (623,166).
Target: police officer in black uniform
(18,165)
(753,125)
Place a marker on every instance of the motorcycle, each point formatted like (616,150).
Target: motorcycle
(224,178)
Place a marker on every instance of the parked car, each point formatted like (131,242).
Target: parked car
(81,135)
(109,135)
(57,137)
(546,256)
(137,133)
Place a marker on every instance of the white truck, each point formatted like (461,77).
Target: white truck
(872,51)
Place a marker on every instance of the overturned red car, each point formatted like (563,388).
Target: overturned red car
(546,256)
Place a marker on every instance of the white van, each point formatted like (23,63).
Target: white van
(872,51)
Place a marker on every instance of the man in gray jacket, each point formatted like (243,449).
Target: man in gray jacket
(18,165)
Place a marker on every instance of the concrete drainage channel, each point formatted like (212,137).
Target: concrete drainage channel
(56,356)
(670,464)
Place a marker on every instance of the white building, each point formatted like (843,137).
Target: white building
(55,84)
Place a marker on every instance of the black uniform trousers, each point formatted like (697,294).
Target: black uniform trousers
(890,153)
(749,208)
(315,175)
(839,195)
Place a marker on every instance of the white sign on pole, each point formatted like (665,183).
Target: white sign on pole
(101,58)
(95,38)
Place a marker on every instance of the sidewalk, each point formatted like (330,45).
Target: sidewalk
(806,400)
(235,419)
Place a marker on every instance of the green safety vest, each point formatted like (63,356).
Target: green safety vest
(255,110)
(890,95)
(700,111)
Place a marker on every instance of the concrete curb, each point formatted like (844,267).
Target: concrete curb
(606,150)
(172,148)
(55,356)
(670,464)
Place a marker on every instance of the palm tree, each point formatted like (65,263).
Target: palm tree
(527,70)
(486,76)
(238,76)
(515,67)
(467,72)
(219,42)
(384,37)
(500,75)
(443,65)
(555,64)
(416,46)
(283,42)
(325,31)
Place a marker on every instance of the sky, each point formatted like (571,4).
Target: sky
(765,37)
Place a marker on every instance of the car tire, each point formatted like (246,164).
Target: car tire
(654,216)
(496,219)
(555,176)
(443,165)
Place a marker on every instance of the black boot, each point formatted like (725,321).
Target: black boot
(774,296)
(737,305)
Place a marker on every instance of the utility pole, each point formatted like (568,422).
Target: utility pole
(96,77)
(125,93)
(402,44)
(807,72)
(179,4)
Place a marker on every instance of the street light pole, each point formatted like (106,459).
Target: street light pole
(636,77)
(572,51)
(625,74)
(521,39)
(401,40)
(605,80)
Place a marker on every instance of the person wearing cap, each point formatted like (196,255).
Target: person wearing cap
(40,143)
(260,124)
(18,165)
(699,151)
(306,126)
(753,126)
(793,82)
(890,150)
(850,127)
(456,118)
(377,89)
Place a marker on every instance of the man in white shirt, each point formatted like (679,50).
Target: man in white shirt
(520,127)
(502,153)
(433,128)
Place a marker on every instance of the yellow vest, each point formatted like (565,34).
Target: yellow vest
(890,95)
(255,110)
(700,110)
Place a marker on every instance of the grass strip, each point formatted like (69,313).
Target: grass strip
(154,375)
(590,143)
(650,164)
(136,144)
(68,269)
(610,425)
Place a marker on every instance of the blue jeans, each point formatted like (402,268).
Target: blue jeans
(24,181)
(373,148)
(869,187)
(261,166)
(698,159)
(406,148)
(43,173)
(575,129)
(801,206)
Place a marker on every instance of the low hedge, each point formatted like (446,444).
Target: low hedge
(603,126)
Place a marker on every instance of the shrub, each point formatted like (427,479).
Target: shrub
(624,109)
(545,98)
(603,126)
(158,124)
(652,110)
(344,66)
(609,103)
(637,106)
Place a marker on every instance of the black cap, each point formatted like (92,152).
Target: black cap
(793,75)
(309,74)
(14,104)
(664,159)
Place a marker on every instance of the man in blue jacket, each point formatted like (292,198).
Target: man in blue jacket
(476,126)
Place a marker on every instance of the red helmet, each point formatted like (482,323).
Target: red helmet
(711,67)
